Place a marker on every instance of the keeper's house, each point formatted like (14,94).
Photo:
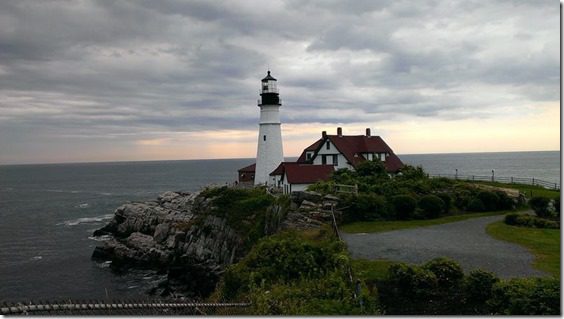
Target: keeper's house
(347,151)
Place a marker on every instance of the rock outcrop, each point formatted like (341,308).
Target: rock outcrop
(175,234)
(184,236)
(310,210)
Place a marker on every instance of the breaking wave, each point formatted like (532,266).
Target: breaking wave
(86,220)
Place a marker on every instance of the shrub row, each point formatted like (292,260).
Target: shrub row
(440,287)
(530,221)
(370,207)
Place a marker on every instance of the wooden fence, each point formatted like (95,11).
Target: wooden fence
(502,179)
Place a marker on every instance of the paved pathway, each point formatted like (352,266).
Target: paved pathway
(465,241)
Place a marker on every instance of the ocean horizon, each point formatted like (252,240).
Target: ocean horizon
(243,158)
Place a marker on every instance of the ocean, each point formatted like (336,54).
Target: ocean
(48,213)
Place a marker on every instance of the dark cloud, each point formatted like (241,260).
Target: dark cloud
(105,68)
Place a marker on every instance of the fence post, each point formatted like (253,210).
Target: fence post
(533,181)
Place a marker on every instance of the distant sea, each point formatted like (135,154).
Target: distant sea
(48,213)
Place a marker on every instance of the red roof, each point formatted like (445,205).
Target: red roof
(313,147)
(280,169)
(298,173)
(250,168)
(352,148)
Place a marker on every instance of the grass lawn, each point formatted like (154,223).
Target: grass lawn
(528,190)
(543,243)
(383,226)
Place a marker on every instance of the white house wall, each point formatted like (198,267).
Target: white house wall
(341,160)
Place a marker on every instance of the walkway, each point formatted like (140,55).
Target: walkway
(465,241)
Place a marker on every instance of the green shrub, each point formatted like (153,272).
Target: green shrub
(447,199)
(478,287)
(526,296)
(440,288)
(505,202)
(530,221)
(407,290)
(461,198)
(511,219)
(364,207)
(412,173)
(289,274)
(476,205)
(373,168)
(404,206)
(540,206)
(431,206)
(449,274)
(489,199)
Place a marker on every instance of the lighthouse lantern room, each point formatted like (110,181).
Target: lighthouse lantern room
(269,149)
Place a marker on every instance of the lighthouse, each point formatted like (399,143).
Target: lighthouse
(269,149)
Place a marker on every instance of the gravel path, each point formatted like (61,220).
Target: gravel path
(465,241)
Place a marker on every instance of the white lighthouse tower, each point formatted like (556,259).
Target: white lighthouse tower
(269,150)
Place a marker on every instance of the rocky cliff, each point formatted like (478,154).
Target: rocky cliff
(192,237)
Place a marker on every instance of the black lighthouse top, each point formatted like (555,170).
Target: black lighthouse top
(269,91)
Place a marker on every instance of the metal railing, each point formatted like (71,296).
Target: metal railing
(501,179)
(130,307)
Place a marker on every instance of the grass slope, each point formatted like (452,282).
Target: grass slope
(384,226)
(543,243)
(528,190)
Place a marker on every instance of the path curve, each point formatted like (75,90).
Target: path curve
(466,242)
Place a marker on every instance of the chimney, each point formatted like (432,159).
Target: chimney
(368,131)
(324,134)
(339,131)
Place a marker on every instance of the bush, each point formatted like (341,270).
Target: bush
(530,221)
(489,199)
(289,274)
(449,274)
(373,168)
(526,296)
(505,202)
(364,207)
(476,205)
(511,219)
(540,206)
(440,287)
(447,199)
(407,290)
(557,205)
(431,206)
(478,287)
(404,206)
(462,198)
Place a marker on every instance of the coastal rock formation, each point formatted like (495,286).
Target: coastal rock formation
(191,236)
(310,210)
(173,233)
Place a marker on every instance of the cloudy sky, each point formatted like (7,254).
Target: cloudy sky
(149,80)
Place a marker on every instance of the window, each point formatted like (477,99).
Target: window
(335,160)
(264,137)
(308,156)
(328,145)
(324,160)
